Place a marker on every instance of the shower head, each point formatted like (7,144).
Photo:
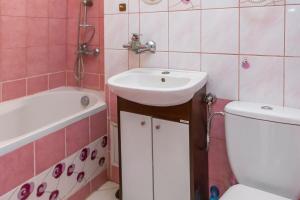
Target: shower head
(88,3)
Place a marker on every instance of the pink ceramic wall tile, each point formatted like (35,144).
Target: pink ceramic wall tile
(77,136)
(49,150)
(57,58)
(91,81)
(57,32)
(71,80)
(83,193)
(13,89)
(13,32)
(71,56)
(58,8)
(73,8)
(37,8)
(219,168)
(93,64)
(72,31)
(16,168)
(99,180)
(102,82)
(218,123)
(13,7)
(37,31)
(37,84)
(98,125)
(37,60)
(101,33)
(94,11)
(95,22)
(1,92)
(115,174)
(57,80)
(102,70)
(12,66)
(101,8)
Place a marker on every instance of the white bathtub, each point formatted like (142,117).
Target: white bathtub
(29,118)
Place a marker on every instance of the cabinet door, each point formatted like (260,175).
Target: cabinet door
(136,157)
(171,160)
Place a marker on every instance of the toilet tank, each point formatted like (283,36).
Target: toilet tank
(263,144)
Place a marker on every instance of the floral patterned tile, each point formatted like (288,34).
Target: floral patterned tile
(66,177)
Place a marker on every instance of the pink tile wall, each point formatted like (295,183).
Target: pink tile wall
(32,159)
(216,37)
(32,46)
(38,43)
(94,66)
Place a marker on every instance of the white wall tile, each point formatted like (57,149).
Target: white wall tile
(134,60)
(187,61)
(292,1)
(161,6)
(222,74)
(154,26)
(292,30)
(219,3)
(134,6)
(115,24)
(184,5)
(157,60)
(116,61)
(184,33)
(292,77)
(263,81)
(216,36)
(262,30)
(134,24)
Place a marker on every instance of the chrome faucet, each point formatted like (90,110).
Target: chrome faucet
(136,46)
(84,49)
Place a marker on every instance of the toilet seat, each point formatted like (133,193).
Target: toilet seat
(242,192)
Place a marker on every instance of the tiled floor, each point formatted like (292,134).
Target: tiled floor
(106,192)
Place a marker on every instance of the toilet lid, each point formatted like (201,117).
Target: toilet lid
(242,192)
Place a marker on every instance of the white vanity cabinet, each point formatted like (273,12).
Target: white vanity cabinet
(163,154)
(136,157)
(155,158)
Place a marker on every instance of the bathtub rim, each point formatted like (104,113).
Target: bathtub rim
(10,145)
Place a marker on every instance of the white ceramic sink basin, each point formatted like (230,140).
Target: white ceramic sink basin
(154,87)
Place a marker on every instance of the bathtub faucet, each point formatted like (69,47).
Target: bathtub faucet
(136,46)
(85,50)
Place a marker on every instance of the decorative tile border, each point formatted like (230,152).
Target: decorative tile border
(66,177)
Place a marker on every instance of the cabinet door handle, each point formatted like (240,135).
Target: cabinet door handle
(157,127)
(143,123)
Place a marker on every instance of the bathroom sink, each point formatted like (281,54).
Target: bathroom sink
(157,87)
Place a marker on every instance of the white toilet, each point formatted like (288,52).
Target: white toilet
(263,144)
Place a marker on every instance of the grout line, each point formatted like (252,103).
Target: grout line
(284,60)
(239,52)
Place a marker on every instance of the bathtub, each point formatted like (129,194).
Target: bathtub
(30,118)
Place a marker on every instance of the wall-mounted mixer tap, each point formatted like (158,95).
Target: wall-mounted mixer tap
(136,46)
(85,50)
